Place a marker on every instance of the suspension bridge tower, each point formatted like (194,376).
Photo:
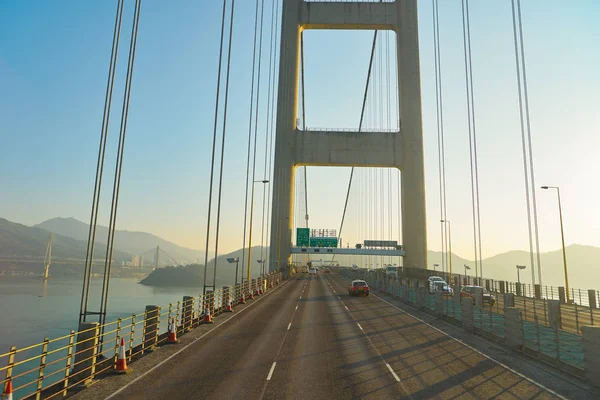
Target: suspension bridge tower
(402,150)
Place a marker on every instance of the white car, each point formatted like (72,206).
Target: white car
(434,281)
(312,271)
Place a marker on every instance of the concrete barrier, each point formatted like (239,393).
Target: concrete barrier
(592,298)
(86,353)
(537,290)
(187,313)
(467,313)
(405,293)
(509,300)
(561,295)
(591,353)
(479,297)
(456,289)
(554,314)
(513,328)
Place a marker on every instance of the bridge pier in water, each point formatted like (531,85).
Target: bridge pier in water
(402,150)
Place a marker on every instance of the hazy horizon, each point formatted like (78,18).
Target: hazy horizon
(54,65)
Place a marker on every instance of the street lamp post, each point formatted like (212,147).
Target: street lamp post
(466,268)
(449,244)
(250,233)
(562,234)
(519,268)
(235,260)
(435,265)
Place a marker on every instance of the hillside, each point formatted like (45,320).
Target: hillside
(193,275)
(130,242)
(20,241)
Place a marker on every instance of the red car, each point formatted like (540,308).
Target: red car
(358,288)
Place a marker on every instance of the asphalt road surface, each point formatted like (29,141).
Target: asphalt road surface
(311,340)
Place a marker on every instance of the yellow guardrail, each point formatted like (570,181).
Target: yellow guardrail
(54,367)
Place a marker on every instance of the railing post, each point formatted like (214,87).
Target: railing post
(186,314)
(86,352)
(554,314)
(502,287)
(117,340)
(131,337)
(591,353)
(10,364)
(68,363)
(40,379)
(519,289)
(513,328)
(150,328)
(467,313)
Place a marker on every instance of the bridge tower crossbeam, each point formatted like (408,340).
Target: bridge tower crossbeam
(402,150)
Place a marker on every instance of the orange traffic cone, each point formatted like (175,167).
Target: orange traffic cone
(207,316)
(243,299)
(121,367)
(228,306)
(271,284)
(172,332)
(8,391)
(250,295)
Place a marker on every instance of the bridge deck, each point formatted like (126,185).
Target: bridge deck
(310,340)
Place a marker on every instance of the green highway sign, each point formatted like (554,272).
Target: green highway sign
(302,237)
(323,242)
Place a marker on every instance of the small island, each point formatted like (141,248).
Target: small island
(186,276)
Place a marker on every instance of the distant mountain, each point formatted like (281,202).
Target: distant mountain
(18,241)
(139,243)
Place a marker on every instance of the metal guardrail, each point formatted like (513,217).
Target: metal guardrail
(58,366)
(549,339)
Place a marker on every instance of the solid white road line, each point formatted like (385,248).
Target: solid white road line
(393,373)
(296,307)
(360,327)
(290,324)
(346,308)
(271,371)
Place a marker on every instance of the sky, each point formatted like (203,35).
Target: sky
(54,59)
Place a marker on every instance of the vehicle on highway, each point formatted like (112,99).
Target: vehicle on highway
(326,271)
(391,270)
(358,288)
(312,271)
(434,281)
(469,291)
